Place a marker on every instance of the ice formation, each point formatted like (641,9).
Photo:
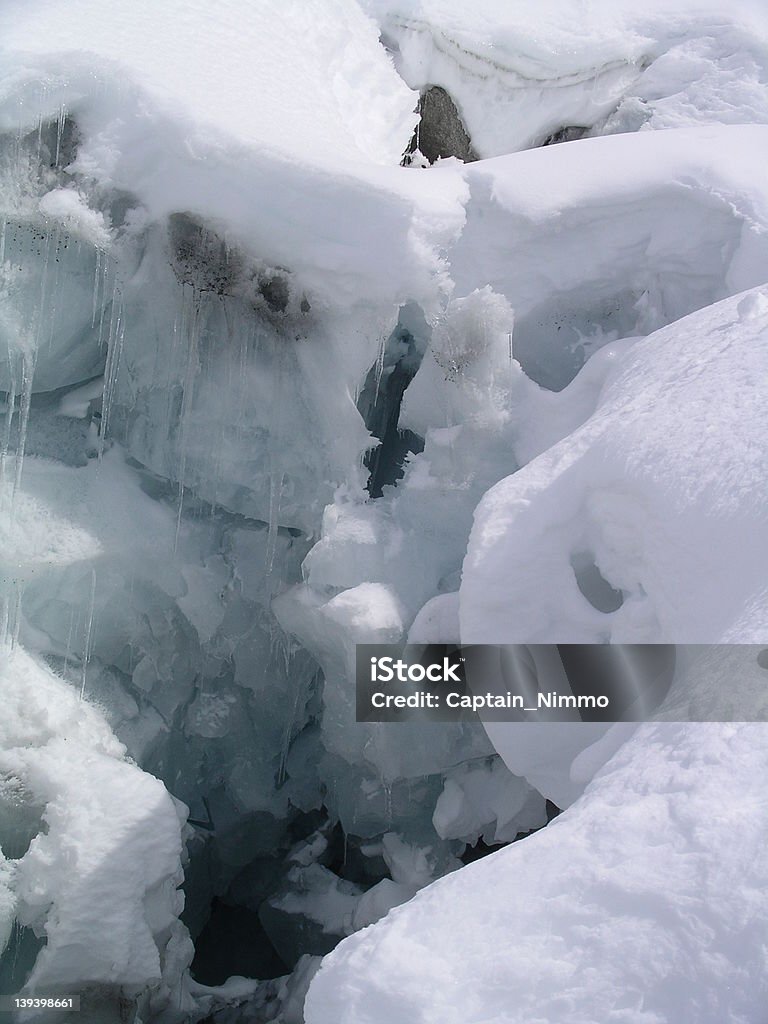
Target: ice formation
(267,394)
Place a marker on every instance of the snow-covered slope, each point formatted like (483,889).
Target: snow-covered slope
(643,904)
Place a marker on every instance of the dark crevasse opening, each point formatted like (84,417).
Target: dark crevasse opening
(382,395)
(18,958)
(481,848)
(234,942)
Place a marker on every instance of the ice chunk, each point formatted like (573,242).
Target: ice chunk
(99,881)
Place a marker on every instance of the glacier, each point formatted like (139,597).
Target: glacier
(339,322)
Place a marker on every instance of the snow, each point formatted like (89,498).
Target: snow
(617,911)
(70,209)
(647,480)
(216,286)
(99,879)
(301,78)
(520,73)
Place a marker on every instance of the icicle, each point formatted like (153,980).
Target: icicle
(275,492)
(96,273)
(88,632)
(27,377)
(115,344)
(9,412)
(379,368)
(70,634)
(61,121)
(15,622)
(103,310)
(39,134)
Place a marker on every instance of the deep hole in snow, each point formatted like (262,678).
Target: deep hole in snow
(593,585)
(234,942)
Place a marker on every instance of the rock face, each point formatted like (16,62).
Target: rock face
(440,132)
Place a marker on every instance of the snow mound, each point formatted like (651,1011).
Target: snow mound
(647,481)
(651,501)
(615,237)
(624,909)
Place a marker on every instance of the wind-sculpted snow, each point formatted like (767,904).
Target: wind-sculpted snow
(645,481)
(646,902)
